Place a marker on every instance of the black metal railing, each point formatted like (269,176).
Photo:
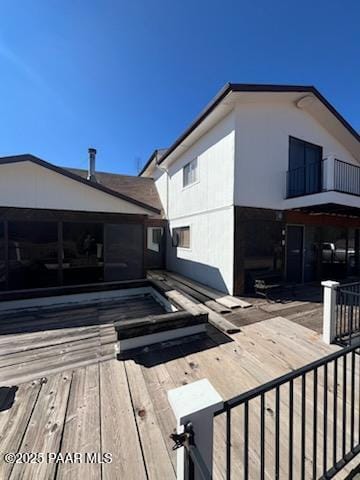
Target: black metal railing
(347,313)
(304,180)
(302,425)
(346,177)
(310,179)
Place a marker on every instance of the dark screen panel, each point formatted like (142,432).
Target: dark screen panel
(124,252)
(263,248)
(83,256)
(2,257)
(33,254)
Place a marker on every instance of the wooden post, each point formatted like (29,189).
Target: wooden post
(196,403)
(329,316)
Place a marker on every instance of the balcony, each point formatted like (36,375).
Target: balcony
(328,175)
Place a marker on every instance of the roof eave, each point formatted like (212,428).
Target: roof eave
(244,87)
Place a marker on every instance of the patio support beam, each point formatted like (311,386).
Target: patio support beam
(329,315)
(194,406)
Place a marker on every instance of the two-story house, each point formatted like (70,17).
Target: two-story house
(266,179)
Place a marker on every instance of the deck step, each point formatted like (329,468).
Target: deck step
(227,301)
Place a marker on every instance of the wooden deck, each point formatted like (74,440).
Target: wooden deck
(87,410)
(302,305)
(121,407)
(305,308)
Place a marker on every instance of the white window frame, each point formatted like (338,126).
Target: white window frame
(193,167)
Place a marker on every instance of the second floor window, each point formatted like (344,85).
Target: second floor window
(190,173)
(304,175)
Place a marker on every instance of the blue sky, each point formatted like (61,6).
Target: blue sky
(127,77)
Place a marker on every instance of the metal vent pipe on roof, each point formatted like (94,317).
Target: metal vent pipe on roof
(91,168)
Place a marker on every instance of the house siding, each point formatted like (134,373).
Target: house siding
(262,149)
(27,185)
(161,183)
(209,259)
(236,210)
(206,206)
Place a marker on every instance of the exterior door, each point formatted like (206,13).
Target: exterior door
(294,253)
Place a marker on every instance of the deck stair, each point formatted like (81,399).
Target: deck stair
(178,290)
(211,297)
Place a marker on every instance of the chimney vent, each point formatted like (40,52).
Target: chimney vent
(91,168)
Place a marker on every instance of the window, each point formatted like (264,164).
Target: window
(181,237)
(190,173)
(304,174)
(154,236)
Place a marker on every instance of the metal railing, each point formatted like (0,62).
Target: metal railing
(316,177)
(305,424)
(304,180)
(346,177)
(347,313)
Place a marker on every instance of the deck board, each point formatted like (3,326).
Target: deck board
(153,446)
(118,426)
(15,411)
(121,407)
(82,425)
(44,430)
(159,382)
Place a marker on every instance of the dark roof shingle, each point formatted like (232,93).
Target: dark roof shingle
(141,189)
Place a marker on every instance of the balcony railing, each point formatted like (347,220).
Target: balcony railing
(330,174)
(346,177)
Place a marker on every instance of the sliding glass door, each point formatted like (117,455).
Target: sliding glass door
(83,253)
(305,172)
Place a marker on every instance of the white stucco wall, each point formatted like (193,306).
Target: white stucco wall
(28,185)
(160,178)
(262,146)
(209,259)
(206,206)
(214,189)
